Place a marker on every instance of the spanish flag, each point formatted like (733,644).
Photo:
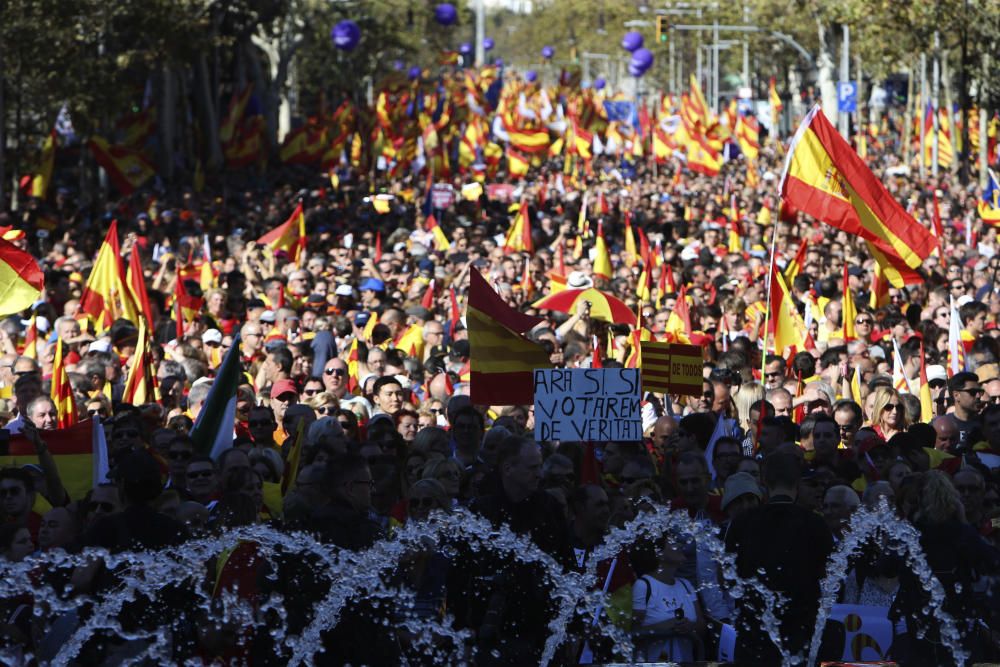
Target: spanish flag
(61,391)
(441,242)
(848,311)
(72,451)
(519,236)
(502,359)
(786,325)
(105,297)
(141,386)
(827,180)
(234,115)
(289,236)
(127,168)
(702,158)
(136,283)
(793,267)
(40,183)
(188,306)
(602,259)
(529,141)
(21,279)
(517,163)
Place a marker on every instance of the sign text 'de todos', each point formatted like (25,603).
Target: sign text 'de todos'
(584,404)
(671,368)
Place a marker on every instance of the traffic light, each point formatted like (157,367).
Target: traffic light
(662,28)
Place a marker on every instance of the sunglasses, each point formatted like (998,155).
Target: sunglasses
(311,392)
(325,410)
(179,456)
(893,406)
(862,321)
(101,507)
(345,425)
(200,473)
(424,503)
(339,372)
(96,413)
(971,392)
(258,422)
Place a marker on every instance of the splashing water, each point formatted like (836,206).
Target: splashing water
(364,575)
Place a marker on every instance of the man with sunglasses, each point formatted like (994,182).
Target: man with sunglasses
(335,377)
(966,393)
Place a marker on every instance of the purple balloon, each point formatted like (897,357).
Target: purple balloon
(398,65)
(487,44)
(632,41)
(465,48)
(414,72)
(346,35)
(498,62)
(445,13)
(548,52)
(635,70)
(599,83)
(530,76)
(642,58)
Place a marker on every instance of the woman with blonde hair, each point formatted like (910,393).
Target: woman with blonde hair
(743,399)
(888,413)
(324,403)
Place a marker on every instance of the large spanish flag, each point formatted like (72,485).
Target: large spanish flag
(502,359)
(105,297)
(72,450)
(289,236)
(21,280)
(127,168)
(825,178)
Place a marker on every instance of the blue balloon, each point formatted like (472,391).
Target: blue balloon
(465,48)
(445,13)
(643,58)
(530,76)
(548,52)
(398,65)
(414,72)
(632,41)
(346,35)
(498,62)
(635,70)
(487,44)
(599,83)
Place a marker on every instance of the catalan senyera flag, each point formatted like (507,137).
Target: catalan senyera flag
(21,279)
(602,258)
(61,391)
(41,180)
(697,101)
(519,235)
(671,368)
(289,236)
(989,204)
(105,297)
(786,324)
(127,168)
(441,242)
(141,385)
(502,360)
(825,178)
(848,311)
(747,133)
(71,449)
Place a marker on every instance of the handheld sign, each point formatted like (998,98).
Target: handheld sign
(588,404)
(671,368)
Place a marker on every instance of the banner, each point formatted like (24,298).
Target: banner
(672,368)
(584,404)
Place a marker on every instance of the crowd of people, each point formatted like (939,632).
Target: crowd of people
(353,352)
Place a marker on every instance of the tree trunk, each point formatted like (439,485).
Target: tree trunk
(966,158)
(946,80)
(167,122)
(826,79)
(3,139)
(263,88)
(207,111)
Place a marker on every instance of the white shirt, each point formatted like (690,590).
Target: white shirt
(664,601)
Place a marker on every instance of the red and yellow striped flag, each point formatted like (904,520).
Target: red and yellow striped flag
(21,279)
(849,312)
(71,449)
(61,391)
(602,259)
(289,236)
(136,283)
(141,385)
(441,242)
(519,235)
(105,297)
(502,359)
(825,178)
(786,325)
(30,349)
(127,168)
(41,180)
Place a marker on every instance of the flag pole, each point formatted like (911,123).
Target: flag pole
(767,309)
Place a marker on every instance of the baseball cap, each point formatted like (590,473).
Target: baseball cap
(212,336)
(344,290)
(283,387)
(373,284)
(268,316)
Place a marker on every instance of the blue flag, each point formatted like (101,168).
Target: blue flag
(621,111)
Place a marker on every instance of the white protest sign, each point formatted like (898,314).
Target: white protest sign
(588,404)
